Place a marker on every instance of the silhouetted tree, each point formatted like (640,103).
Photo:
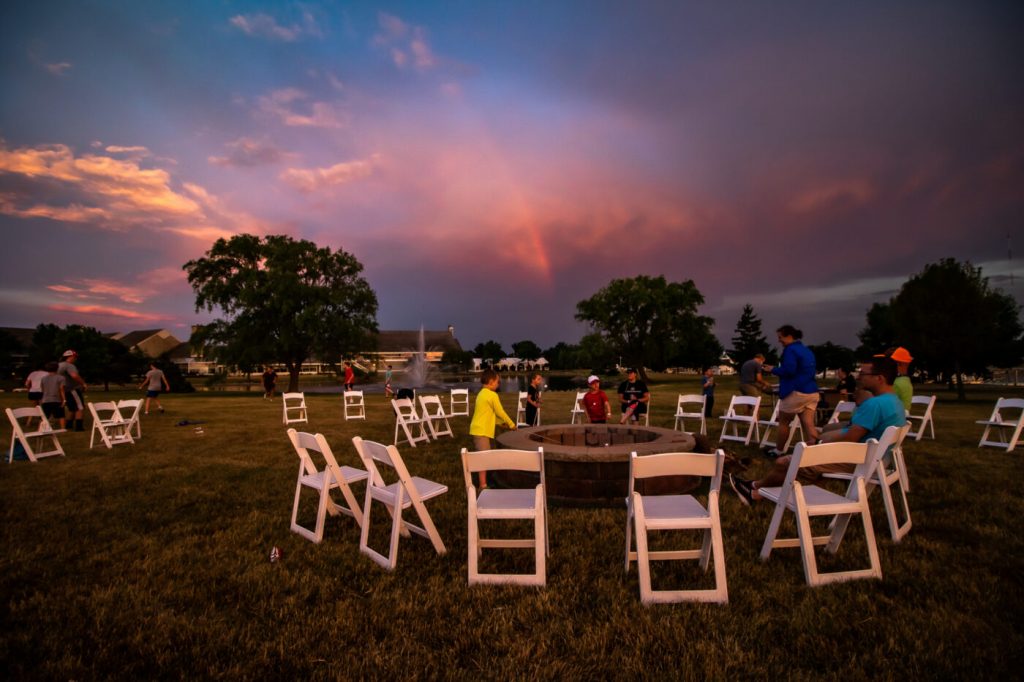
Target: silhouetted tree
(489,350)
(833,356)
(526,350)
(880,332)
(748,339)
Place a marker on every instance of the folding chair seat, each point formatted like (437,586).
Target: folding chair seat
(407,491)
(113,429)
(521,410)
(1003,423)
(355,406)
(889,471)
(458,403)
(923,419)
(330,477)
(843,412)
(294,406)
(741,427)
(130,410)
(773,423)
(432,414)
(39,440)
(577,409)
(408,422)
(676,512)
(504,504)
(806,501)
(691,407)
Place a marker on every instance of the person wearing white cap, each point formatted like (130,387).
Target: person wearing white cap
(595,402)
(75,391)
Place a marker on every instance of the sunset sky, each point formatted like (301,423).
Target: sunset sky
(493,163)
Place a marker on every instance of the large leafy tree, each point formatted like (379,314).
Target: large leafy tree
(526,350)
(284,300)
(651,322)
(833,356)
(489,350)
(749,340)
(101,359)
(952,321)
(880,332)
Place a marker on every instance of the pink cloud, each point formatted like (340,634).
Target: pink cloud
(313,179)
(260,25)
(293,108)
(104,311)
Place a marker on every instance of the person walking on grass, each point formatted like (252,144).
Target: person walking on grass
(269,382)
(798,391)
(34,384)
(707,389)
(53,396)
(74,389)
(486,412)
(154,377)
(350,376)
(533,400)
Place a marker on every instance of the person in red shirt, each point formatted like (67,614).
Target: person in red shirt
(595,402)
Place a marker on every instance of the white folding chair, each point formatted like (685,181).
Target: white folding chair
(432,414)
(735,424)
(806,501)
(331,477)
(521,410)
(458,405)
(113,429)
(407,491)
(646,416)
(130,410)
(294,406)
(1003,423)
(682,413)
(577,409)
(355,406)
(407,421)
(676,512)
(773,423)
(843,412)
(923,419)
(504,504)
(889,471)
(33,439)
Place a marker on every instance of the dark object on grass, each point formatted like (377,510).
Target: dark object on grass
(732,464)
(405,393)
(275,554)
(186,422)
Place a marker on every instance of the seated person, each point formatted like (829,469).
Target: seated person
(595,402)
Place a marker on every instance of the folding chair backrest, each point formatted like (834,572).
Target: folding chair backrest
(774,419)
(355,406)
(1005,410)
(130,410)
(373,453)
(502,460)
(405,408)
(692,400)
(858,454)
(677,464)
(843,407)
(459,403)
(304,442)
(294,407)
(21,432)
(753,402)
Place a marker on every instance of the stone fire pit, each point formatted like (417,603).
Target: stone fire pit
(589,463)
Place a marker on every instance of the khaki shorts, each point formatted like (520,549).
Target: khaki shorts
(797,402)
(752,390)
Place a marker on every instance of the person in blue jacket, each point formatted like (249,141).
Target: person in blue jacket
(798,391)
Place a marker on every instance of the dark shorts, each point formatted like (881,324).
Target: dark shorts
(53,410)
(74,401)
(35,395)
(152,394)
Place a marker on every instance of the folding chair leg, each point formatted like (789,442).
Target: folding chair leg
(773,532)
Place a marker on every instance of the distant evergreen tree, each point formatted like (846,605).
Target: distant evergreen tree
(749,340)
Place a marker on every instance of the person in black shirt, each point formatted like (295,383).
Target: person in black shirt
(533,399)
(633,393)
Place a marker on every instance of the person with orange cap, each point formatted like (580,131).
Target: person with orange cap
(902,386)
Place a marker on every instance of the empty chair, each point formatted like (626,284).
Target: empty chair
(408,422)
(741,427)
(294,406)
(503,504)
(843,412)
(807,501)
(130,410)
(113,429)
(922,419)
(355,406)
(577,408)
(37,441)
(458,405)
(773,423)
(521,410)
(323,480)
(676,512)
(889,472)
(691,407)
(432,414)
(406,491)
(1004,423)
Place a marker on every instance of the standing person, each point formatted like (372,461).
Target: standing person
(269,382)
(798,391)
(74,390)
(595,402)
(53,397)
(847,385)
(707,389)
(350,376)
(387,383)
(34,384)
(634,396)
(533,400)
(751,382)
(902,387)
(155,377)
(486,412)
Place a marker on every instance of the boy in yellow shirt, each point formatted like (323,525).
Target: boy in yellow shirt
(486,411)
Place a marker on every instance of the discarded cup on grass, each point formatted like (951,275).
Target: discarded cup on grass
(199,431)
(275,555)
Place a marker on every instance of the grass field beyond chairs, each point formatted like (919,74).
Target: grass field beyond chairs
(152,561)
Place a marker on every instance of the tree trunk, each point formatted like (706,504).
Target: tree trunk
(293,376)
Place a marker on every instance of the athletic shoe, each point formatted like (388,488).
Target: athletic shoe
(771,453)
(742,488)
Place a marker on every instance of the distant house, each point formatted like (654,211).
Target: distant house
(150,342)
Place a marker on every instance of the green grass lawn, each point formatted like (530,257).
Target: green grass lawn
(151,561)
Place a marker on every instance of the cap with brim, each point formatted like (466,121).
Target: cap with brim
(592,378)
(69,353)
(901,354)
